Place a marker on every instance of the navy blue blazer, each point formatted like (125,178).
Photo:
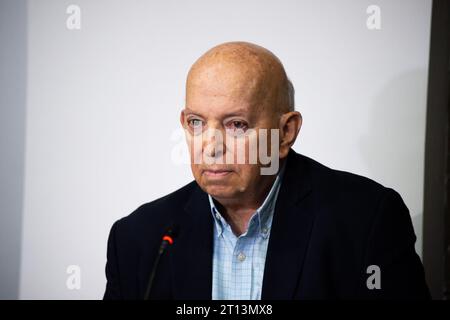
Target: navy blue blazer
(329,226)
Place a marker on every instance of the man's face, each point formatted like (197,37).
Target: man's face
(232,110)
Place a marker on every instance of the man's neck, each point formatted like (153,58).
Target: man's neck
(237,212)
(238,218)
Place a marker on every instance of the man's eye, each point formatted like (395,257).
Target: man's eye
(195,123)
(237,125)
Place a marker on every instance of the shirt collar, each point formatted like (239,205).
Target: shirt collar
(261,220)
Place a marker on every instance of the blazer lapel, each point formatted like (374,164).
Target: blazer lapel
(290,233)
(192,252)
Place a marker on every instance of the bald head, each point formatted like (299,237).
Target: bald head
(242,71)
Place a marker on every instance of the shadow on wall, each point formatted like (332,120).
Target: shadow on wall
(398,116)
(13,68)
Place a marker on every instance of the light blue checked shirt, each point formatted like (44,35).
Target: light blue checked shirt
(238,262)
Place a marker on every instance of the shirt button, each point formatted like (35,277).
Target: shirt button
(241,257)
(218,216)
(264,230)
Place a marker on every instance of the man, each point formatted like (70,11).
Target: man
(288,228)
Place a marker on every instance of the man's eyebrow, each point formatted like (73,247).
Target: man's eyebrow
(239,112)
(189,111)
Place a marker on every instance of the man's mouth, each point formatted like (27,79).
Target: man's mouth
(216,173)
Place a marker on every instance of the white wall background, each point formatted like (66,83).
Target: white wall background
(103,103)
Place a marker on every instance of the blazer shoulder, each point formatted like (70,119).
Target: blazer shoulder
(347,197)
(157,213)
(342,181)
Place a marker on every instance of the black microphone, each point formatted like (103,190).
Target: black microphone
(167,240)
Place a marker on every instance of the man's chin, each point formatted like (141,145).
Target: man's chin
(221,192)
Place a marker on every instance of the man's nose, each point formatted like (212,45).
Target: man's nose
(214,142)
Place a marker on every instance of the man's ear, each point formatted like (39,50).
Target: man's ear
(182,118)
(290,124)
